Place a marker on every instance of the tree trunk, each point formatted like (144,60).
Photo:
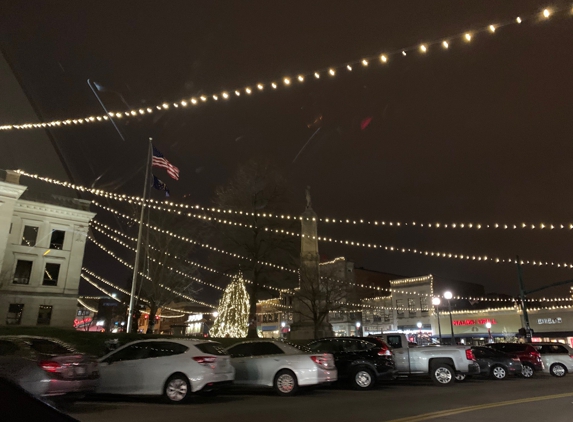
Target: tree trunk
(252,332)
(151,325)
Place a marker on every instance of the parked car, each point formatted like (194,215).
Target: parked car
(362,361)
(557,358)
(279,365)
(528,355)
(496,364)
(173,368)
(440,363)
(47,367)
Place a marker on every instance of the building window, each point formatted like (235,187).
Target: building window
(400,307)
(424,304)
(14,316)
(57,239)
(23,271)
(51,273)
(386,315)
(29,236)
(412,307)
(44,315)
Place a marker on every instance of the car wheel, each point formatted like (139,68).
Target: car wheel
(527,371)
(558,370)
(363,379)
(498,373)
(442,374)
(461,377)
(177,389)
(285,383)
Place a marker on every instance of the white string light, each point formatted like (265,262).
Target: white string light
(85,305)
(165,206)
(287,81)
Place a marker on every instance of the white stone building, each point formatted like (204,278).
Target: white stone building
(42,242)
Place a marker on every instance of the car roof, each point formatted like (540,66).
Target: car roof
(25,337)
(549,343)
(185,341)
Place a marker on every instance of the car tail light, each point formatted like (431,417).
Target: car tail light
(535,355)
(324,361)
(205,360)
(571,356)
(385,351)
(470,354)
(50,366)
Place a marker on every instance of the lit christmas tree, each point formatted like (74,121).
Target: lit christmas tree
(233,313)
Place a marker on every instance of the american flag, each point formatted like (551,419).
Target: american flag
(159,160)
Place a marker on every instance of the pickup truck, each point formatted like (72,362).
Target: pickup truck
(441,363)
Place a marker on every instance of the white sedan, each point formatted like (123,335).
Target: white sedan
(173,368)
(279,365)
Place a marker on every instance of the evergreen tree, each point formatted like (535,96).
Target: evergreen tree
(233,317)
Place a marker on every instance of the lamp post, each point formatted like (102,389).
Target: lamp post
(419,325)
(283,325)
(488,326)
(448,296)
(436,302)
(358,328)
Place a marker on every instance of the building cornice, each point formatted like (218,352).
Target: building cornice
(11,191)
(54,210)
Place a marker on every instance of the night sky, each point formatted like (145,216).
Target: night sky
(478,133)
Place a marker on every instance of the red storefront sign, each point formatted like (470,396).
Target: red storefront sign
(473,321)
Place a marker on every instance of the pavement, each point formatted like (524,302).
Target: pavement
(543,398)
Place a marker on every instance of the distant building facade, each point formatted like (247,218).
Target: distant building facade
(42,242)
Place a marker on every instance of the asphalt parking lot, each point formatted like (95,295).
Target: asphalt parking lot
(538,399)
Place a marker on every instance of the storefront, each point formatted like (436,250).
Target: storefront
(552,325)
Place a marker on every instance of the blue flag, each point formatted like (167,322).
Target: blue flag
(159,185)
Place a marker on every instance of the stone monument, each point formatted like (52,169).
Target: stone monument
(303,326)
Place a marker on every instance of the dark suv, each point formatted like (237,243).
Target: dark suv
(528,355)
(360,360)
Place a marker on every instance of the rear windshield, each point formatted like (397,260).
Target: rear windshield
(47,347)
(211,348)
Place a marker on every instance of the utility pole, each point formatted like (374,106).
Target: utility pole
(522,294)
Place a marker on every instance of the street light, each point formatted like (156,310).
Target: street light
(283,325)
(436,302)
(488,326)
(358,328)
(448,296)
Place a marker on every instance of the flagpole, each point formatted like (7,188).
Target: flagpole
(139,235)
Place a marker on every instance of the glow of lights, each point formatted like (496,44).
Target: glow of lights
(448,295)
(349,67)
(317,75)
(518,20)
(445,44)
(383,58)
(331,71)
(286,81)
(300,78)
(260,86)
(364,62)
(423,48)
(468,36)
(492,28)
(546,13)
(233,312)
(436,301)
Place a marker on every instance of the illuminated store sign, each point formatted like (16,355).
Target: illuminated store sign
(541,321)
(473,321)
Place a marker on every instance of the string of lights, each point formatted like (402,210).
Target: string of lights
(109,283)
(99,229)
(351,221)
(483,258)
(286,82)
(111,253)
(361,285)
(85,305)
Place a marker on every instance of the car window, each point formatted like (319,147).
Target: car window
(241,350)
(158,349)
(394,341)
(47,347)
(266,348)
(211,348)
(356,345)
(132,352)
(325,346)
(8,348)
(551,349)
